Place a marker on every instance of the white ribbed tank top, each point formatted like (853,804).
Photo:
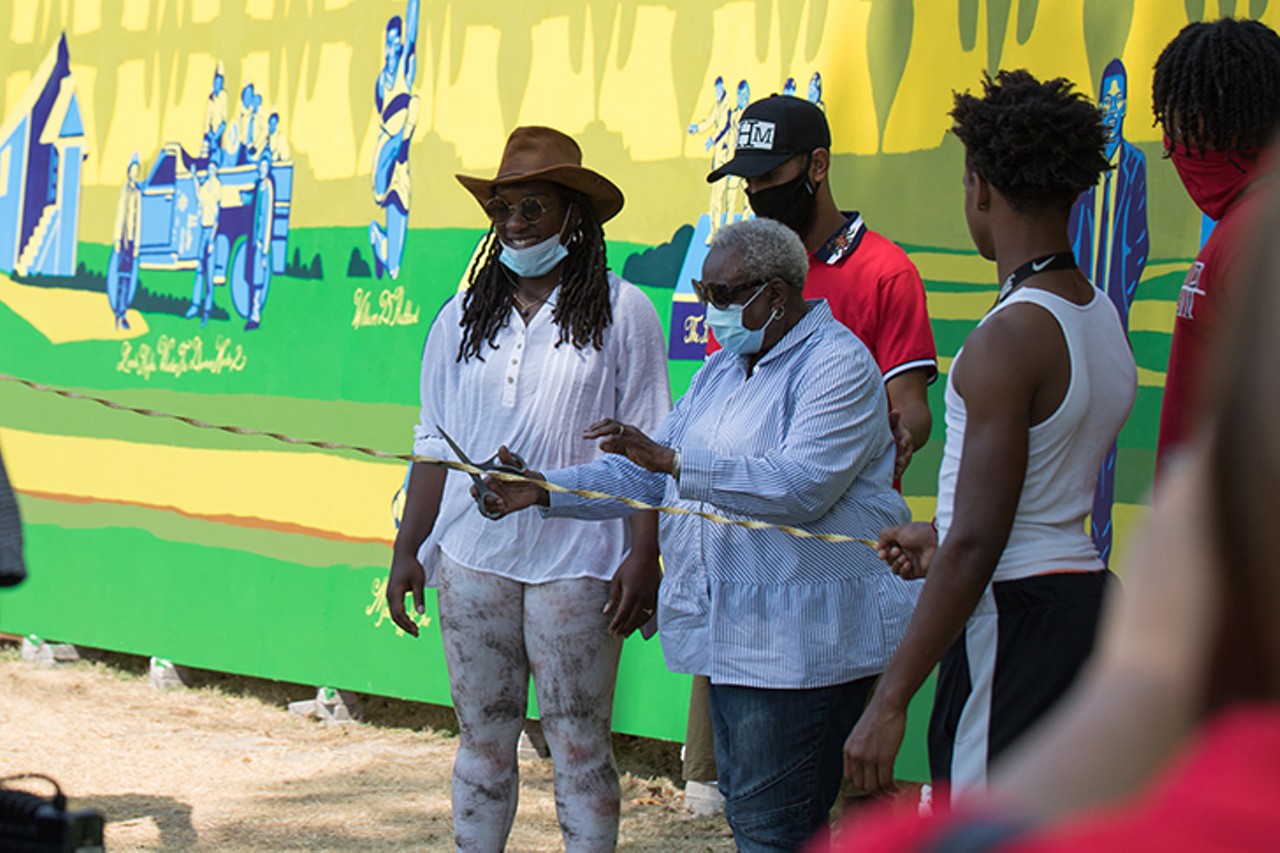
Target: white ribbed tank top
(1064,450)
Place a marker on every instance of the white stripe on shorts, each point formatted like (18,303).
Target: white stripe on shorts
(969,755)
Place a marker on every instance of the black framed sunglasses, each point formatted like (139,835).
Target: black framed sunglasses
(720,295)
(530,208)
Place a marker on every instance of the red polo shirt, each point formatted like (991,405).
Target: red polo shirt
(874,290)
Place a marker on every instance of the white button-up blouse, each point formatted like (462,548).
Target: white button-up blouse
(536,398)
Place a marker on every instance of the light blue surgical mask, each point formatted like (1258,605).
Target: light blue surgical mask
(536,260)
(731,334)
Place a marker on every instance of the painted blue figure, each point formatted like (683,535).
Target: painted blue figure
(1108,229)
(257,267)
(789,87)
(276,147)
(244,137)
(209,199)
(122,270)
(397,118)
(736,205)
(815,91)
(215,117)
(720,126)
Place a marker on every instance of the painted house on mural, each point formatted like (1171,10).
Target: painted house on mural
(41,152)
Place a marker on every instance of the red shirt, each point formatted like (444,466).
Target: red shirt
(1205,294)
(875,291)
(1220,794)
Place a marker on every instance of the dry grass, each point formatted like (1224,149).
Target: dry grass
(223,766)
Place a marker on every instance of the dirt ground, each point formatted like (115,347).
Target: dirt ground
(222,765)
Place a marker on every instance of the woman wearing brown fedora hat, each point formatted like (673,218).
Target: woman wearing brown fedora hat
(544,342)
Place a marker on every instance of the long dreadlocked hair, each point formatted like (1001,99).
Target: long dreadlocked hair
(1040,144)
(1218,85)
(582,310)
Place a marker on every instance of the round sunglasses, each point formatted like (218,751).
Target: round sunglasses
(530,208)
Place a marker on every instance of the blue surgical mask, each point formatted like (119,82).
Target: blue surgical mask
(536,260)
(727,325)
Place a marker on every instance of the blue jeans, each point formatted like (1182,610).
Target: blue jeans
(779,758)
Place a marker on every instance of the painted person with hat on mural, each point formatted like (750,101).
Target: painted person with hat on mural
(783,153)
(787,424)
(544,342)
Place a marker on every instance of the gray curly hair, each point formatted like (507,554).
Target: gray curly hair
(765,249)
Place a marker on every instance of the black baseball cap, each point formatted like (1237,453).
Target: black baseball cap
(771,132)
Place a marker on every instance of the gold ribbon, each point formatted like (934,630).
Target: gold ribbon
(714,518)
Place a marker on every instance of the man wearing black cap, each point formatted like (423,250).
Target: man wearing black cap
(784,154)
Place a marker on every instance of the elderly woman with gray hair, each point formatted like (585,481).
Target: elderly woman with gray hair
(787,424)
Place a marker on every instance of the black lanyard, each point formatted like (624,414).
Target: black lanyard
(1035,266)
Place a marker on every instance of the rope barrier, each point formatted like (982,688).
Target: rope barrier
(714,518)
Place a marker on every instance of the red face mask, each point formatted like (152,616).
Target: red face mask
(1213,179)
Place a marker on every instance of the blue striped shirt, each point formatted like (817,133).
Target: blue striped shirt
(804,441)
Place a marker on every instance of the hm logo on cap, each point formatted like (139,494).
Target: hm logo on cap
(755,134)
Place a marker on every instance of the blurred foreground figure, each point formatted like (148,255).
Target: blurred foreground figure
(12,568)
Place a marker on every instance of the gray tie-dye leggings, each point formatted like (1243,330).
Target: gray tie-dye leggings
(496,631)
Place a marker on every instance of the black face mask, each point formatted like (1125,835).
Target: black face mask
(794,204)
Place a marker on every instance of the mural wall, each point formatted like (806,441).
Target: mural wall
(244,211)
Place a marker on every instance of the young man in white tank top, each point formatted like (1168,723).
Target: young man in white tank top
(1034,399)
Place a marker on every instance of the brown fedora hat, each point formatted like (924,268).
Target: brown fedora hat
(545,154)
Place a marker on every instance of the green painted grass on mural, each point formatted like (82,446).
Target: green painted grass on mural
(1167,284)
(238,612)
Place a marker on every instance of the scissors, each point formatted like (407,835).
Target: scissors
(490,464)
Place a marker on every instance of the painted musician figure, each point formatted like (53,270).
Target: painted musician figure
(787,424)
(544,343)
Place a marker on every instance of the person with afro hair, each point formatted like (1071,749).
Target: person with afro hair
(1216,94)
(1036,396)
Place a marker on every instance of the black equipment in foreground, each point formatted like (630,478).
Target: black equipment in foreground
(34,824)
